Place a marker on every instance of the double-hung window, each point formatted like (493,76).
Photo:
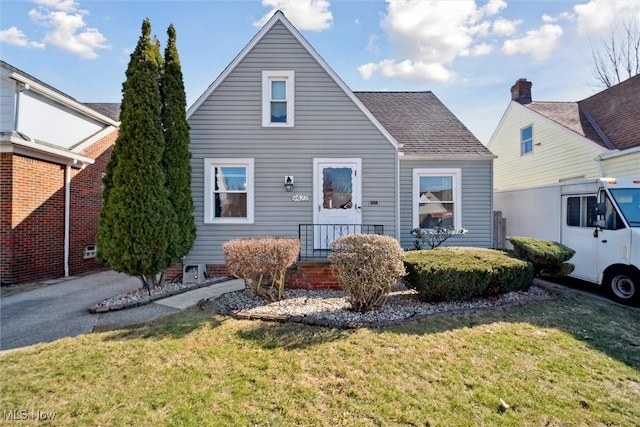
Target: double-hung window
(437,198)
(278,95)
(526,140)
(229,191)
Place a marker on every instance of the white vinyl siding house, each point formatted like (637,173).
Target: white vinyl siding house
(549,161)
(591,138)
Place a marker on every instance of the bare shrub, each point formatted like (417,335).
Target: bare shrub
(262,263)
(368,266)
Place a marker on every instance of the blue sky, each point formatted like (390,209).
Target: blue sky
(469,53)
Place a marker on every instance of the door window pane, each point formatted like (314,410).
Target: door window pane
(337,188)
(581,211)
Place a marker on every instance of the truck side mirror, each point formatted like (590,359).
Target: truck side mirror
(601,208)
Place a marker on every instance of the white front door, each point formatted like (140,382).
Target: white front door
(338,198)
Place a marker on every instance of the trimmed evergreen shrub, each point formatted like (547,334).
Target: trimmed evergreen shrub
(368,267)
(262,263)
(453,273)
(548,258)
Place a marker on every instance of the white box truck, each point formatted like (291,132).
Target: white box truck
(598,218)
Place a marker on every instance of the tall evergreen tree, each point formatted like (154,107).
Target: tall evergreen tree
(175,160)
(137,221)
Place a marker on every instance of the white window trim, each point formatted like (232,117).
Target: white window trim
(289,78)
(456,173)
(522,153)
(209,165)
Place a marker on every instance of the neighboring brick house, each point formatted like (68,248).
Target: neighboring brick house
(53,153)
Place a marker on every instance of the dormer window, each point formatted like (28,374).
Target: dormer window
(278,95)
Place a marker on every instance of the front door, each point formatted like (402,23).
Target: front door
(337,197)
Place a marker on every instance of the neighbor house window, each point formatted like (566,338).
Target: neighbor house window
(437,198)
(229,190)
(278,94)
(526,140)
(581,211)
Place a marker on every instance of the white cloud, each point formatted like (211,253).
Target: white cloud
(63,5)
(367,70)
(68,29)
(304,14)
(482,49)
(494,7)
(415,71)
(430,35)
(599,15)
(539,43)
(371,44)
(505,27)
(16,37)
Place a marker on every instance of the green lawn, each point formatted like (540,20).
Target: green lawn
(572,361)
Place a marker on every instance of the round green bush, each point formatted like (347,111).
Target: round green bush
(454,273)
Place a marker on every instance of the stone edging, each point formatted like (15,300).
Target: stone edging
(307,320)
(101,308)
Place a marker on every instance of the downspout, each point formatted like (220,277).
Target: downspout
(67,201)
(599,164)
(398,233)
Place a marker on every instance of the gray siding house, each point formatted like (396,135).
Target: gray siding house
(282,147)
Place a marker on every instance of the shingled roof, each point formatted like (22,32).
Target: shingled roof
(422,125)
(610,118)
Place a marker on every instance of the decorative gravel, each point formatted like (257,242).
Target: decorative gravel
(330,308)
(141,296)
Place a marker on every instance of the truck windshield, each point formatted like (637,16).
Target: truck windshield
(628,200)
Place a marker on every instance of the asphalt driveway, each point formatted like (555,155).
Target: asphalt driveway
(59,310)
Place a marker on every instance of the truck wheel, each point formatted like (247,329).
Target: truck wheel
(623,285)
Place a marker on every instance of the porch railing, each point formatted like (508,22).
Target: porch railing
(315,239)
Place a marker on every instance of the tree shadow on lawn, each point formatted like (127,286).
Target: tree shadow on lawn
(291,335)
(176,325)
(602,325)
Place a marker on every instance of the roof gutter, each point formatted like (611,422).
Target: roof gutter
(448,157)
(26,145)
(618,153)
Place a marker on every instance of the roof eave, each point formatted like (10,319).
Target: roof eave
(14,144)
(74,105)
(448,157)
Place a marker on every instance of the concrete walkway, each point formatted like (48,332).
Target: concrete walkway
(191,298)
(60,308)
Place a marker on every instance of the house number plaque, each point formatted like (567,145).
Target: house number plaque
(300,198)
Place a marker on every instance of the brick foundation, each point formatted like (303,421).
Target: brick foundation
(311,275)
(302,275)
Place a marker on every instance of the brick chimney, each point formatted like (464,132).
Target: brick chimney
(521,91)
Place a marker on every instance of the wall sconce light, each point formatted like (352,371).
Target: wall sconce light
(288,183)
